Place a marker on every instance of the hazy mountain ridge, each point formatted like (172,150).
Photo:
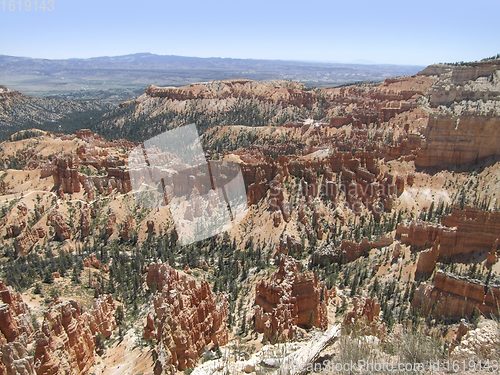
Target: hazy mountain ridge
(119,77)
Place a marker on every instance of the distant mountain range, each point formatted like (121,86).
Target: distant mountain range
(123,77)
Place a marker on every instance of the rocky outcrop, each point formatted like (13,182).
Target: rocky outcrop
(364,309)
(453,141)
(25,241)
(476,230)
(420,235)
(66,342)
(150,328)
(127,227)
(455,297)
(289,244)
(462,232)
(427,261)
(188,317)
(92,261)
(16,227)
(352,250)
(289,299)
(62,230)
(16,333)
(492,255)
(14,316)
(470,81)
(16,359)
(150,226)
(282,92)
(85,221)
(71,172)
(349,250)
(110,224)
(65,176)
(482,342)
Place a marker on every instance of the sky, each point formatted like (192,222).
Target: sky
(384,31)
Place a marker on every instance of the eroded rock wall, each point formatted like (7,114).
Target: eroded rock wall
(67,340)
(289,299)
(188,318)
(455,297)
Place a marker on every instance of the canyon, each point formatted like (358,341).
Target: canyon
(372,205)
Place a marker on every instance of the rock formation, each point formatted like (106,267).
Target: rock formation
(25,241)
(455,297)
(462,232)
(427,261)
(65,176)
(363,308)
(62,230)
(85,221)
(482,342)
(455,141)
(16,332)
(284,93)
(92,261)
(110,224)
(127,226)
(289,299)
(66,342)
(459,83)
(188,317)
(150,226)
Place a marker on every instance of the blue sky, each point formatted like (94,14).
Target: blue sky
(384,31)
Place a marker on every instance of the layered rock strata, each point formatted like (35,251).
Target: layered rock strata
(289,299)
(188,317)
(67,340)
(455,297)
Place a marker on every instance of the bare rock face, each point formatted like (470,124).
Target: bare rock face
(92,261)
(451,141)
(14,317)
(289,243)
(456,83)
(150,328)
(16,227)
(151,226)
(127,228)
(365,309)
(289,299)
(455,297)
(492,255)
(460,233)
(476,230)
(349,251)
(427,261)
(284,93)
(15,358)
(66,342)
(16,332)
(400,185)
(56,220)
(188,317)
(352,250)
(65,176)
(110,224)
(85,221)
(483,342)
(420,235)
(25,241)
